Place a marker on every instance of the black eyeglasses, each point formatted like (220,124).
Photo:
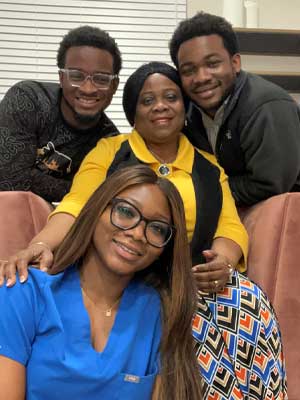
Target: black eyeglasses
(125,216)
(78,78)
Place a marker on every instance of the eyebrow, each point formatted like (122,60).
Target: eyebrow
(85,72)
(208,56)
(156,217)
(142,94)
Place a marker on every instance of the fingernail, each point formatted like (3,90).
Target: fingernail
(44,269)
(22,278)
(8,282)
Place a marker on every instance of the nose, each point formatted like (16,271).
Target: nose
(160,105)
(203,74)
(87,86)
(138,232)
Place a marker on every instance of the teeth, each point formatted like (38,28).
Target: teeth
(127,249)
(90,101)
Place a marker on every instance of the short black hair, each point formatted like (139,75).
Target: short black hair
(89,36)
(203,24)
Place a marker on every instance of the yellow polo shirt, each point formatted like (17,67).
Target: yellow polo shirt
(95,165)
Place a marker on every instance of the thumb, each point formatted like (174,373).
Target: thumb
(46,261)
(209,254)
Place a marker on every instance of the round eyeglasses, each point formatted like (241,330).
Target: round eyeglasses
(125,216)
(78,78)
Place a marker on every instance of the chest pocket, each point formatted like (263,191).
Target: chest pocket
(133,387)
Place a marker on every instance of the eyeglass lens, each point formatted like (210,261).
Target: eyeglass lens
(100,80)
(125,216)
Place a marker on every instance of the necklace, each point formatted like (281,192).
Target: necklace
(163,169)
(108,311)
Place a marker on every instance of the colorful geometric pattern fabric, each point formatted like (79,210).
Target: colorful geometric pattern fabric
(238,344)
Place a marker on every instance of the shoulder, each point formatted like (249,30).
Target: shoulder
(34,284)
(211,158)
(108,128)
(35,87)
(144,295)
(27,299)
(112,143)
(28,93)
(260,91)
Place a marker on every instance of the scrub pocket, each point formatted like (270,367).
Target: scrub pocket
(133,387)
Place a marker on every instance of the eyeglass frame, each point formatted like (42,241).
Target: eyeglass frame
(88,76)
(117,200)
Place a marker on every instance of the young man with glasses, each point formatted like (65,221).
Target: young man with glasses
(46,128)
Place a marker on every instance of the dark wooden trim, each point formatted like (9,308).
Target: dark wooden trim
(269,42)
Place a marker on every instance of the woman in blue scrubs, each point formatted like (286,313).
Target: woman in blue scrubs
(113,321)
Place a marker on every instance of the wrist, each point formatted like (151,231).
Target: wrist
(43,244)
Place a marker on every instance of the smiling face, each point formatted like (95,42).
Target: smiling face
(82,106)
(160,110)
(124,252)
(207,71)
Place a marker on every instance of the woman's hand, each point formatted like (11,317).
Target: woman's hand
(212,276)
(38,254)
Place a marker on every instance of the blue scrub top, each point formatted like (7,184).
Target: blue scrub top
(44,325)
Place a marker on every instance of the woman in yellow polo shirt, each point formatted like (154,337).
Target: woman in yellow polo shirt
(234,323)
(218,239)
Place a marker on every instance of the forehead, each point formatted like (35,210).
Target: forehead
(201,46)
(157,82)
(149,199)
(89,59)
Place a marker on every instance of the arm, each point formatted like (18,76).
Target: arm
(230,244)
(271,144)
(21,308)
(19,127)
(91,174)
(12,379)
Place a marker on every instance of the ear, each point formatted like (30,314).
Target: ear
(236,62)
(115,84)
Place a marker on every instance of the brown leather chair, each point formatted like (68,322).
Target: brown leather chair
(22,216)
(273,262)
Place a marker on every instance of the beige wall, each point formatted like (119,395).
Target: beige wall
(273,14)
(280,14)
(211,6)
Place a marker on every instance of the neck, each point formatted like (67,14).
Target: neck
(164,153)
(101,286)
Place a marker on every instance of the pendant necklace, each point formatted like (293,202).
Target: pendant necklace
(163,169)
(106,312)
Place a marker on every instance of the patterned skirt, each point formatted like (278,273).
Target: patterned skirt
(238,344)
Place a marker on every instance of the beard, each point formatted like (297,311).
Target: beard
(85,119)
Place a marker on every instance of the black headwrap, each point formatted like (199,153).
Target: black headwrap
(136,81)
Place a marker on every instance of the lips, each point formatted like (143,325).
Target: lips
(161,120)
(87,102)
(126,248)
(206,91)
